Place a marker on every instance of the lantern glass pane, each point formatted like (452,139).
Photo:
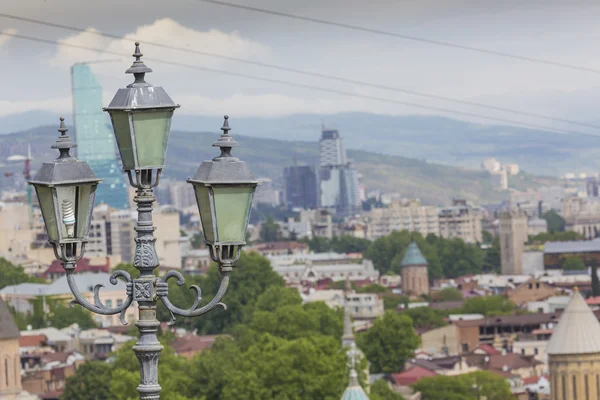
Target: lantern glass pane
(151,131)
(44,195)
(203,199)
(84,193)
(120,121)
(67,211)
(232,206)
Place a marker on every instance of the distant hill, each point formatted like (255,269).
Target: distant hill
(433,183)
(435,139)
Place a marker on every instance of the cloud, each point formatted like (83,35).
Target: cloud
(163,31)
(57,105)
(5,38)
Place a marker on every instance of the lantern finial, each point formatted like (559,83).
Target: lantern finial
(64,142)
(138,68)
(225,142)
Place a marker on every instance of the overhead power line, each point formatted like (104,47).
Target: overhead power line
(305,72)
(401,36)
(309,87)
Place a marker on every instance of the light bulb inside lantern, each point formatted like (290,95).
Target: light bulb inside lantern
(68,212)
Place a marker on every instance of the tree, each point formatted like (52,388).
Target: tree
(89,382)
(595,280)
(306,368)
(555,237)
(448,294)
(389,342)
(491,262)
(62,316)
(252,276)
(270,231)
(573,263)
(372,288)
(197,240)
(471,386)
(392,301)
(380,390)
(426,317)
(488,305)
(277,296)
(11,274)
(555,222)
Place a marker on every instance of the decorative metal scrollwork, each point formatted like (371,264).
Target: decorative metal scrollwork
(162,289)
(97,307)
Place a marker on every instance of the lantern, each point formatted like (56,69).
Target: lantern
(224,190)
(66,189)
(141,119)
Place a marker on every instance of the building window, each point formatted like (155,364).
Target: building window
(6,370)
(465,347)
(574,386)
(535,351)
(119,302)
(523,351)
(109,303)
(564,386)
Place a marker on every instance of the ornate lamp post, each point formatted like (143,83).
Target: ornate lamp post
(224,187)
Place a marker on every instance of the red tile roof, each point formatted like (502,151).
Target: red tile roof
(32,341)
(82,265)
(593,301)
(412,375)
(193,343)
(487,348)
(531,380)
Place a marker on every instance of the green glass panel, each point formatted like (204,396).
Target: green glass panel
(151,131)
(67,211)
(44,195)
(84,192)
(205,214)
(120,122)
(232,205)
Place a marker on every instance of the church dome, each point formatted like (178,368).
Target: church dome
(413,256)
(354,391)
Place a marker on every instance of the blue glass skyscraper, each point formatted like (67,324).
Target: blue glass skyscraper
(95,139)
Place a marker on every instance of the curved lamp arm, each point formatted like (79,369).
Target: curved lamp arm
(162,292)
(98,307)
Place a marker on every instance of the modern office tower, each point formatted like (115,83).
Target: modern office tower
(300,187)
(338,182)
(95,139)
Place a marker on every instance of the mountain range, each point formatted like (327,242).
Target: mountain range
(433,183)
(433,139)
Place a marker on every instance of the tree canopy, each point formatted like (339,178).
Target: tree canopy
(11,274)
(270,231)
(448,294)
(573,263)
(338,244)
(389,342)
(471,386)
(426,317)
(555,237)
(488,305)
(555,223)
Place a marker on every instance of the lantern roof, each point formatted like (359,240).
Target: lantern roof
(224,169)
(65,169)
(140,94)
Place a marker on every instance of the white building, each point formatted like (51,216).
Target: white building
(296,273)
(461,221)
(402,215)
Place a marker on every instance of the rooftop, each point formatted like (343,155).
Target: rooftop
(579,246)
(577,332)
(413,256)
(85,281)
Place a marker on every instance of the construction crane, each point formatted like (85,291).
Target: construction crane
(27,176)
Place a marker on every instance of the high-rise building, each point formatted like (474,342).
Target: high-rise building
(338,182)
(331,149)
(95,140)
(461,221)
(513,235)
(300,187)
(403,215)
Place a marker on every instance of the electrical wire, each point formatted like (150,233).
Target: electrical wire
(304,72)
(400,36)
(309,87)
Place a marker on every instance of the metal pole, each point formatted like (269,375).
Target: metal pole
(148,348)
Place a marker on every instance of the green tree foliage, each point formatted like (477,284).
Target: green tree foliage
(491,261)
(277,296)
(488,305)
(380,390)
(270,231)
(11,274)
(555,237)
(448,294)
(471,386)
(372,288)
(572,263)
(253,275)
(426,317)
(90,382)
(448,258)
(62,316)
(197,240)
(555,222)
(389,342)
(392,301)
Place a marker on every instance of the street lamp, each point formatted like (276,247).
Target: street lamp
(224,187)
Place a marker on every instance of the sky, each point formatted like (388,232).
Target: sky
(36,76)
